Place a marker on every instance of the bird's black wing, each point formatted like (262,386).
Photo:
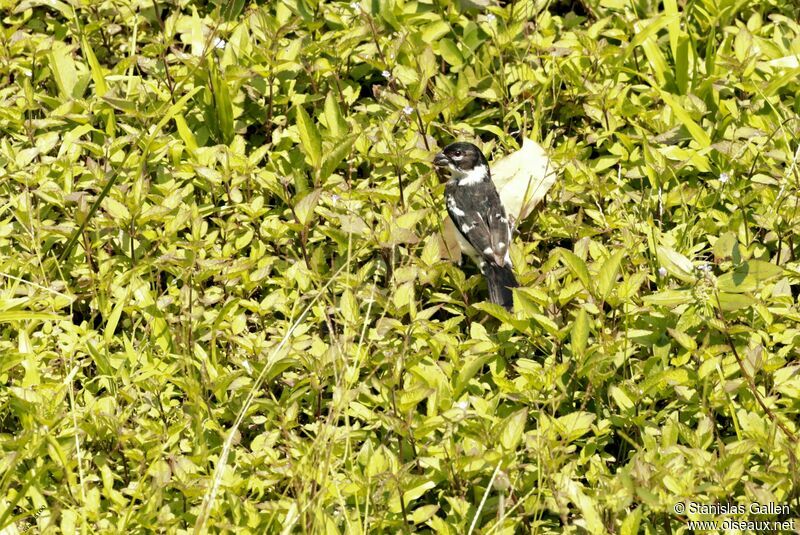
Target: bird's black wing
(479,216)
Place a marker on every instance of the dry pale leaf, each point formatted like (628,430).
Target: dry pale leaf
(522,179)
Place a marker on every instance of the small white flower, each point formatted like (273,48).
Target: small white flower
(28,73)
(662,272)
(335,198)
(724,177)
(704,267)
(246,366)
(463,405)
(386,74)
(490,17)
(219,43)
(355,5)
(408,110)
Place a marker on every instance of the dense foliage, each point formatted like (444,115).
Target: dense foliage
(222,302)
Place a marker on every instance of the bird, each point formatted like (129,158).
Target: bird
(475,208)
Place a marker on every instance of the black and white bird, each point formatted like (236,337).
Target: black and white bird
(484,233)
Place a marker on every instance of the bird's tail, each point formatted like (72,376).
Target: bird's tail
(500,280)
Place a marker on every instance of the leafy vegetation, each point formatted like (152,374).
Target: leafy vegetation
(224,306)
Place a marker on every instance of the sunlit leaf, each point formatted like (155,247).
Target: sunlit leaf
(309,137)
(675,263)
(335,157)
(579,335)
(577,266)
(607,276)
(748,276)
(305,208)
(512,429)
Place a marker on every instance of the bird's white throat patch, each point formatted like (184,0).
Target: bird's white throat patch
(476,175)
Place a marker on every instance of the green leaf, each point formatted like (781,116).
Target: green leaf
(450,53)
(669,298)
(575,424)
(513,429)
(585,504)
(223,107)
(418,489)
(478,331)
(387,11)
(117,210)
(576,265)
(309,137)
(123,105)
(97,71)
(411,397)
(549,326)
(657,60)
(224,313)
(650,31)
(727,246)
(335,157)
(185,132)
(63,68)
(113,319)
(349,307)
(422,514)
(673,25)
(682,64)
(686,341)
(748,276)
(468,371)
(305,208)
(100,360)
(607,276)
(730,302)
(173,110)
(579,334)
(656,382)
(159,330)
(630,526)
(427,67)
(675,263)
(232,9)
(57,5)
(26,315)
(434,31)
(621,398)
(501,314)
(780,82)
(334,118)
(697,133)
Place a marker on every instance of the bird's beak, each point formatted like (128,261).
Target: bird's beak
(440,160)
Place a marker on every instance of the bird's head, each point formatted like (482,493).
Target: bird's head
(460,161)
